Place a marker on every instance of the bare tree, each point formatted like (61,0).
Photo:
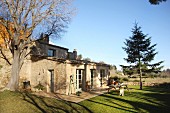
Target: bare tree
(22,22)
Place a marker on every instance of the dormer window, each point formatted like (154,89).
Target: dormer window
(51,52)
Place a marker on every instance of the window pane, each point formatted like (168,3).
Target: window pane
(51,52)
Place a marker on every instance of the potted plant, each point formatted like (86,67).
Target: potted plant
(78,93)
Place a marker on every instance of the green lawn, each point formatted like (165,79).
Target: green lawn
(151,100)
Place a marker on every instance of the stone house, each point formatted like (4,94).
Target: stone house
(58,70)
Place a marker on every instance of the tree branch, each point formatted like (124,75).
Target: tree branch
(4,57)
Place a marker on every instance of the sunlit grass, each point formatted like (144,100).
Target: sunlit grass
(150,99)
(17,102)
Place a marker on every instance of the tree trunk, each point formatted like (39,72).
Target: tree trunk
(13,84)
(140,74)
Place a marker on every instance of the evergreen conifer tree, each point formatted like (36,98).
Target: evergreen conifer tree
(140,53)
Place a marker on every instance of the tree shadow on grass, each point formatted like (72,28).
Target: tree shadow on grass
(159,88)
(153,102)
(160,93)
(154,98)
(137,105)
(49,105)
(128,109)
(147,100)
(162,100)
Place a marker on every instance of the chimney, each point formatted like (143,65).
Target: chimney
(44,38)
(75,54)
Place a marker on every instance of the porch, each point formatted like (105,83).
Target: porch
(75,98)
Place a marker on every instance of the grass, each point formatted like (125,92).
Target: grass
(17,102)
(150,99)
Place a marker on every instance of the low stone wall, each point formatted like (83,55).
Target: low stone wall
(144,83)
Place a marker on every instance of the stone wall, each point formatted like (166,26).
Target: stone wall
(71,71)
(38,67)
(59,52)
(5,68)
(5,73)
(41,49)
(61,78)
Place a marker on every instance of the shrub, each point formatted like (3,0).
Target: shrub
(39,86)
(135,80)
(125,79)
(78,93)
(116,78)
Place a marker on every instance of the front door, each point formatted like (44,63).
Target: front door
(102,75)
(79,76)
(92,71)
(51,80)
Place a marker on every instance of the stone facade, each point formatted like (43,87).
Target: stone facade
(58,70)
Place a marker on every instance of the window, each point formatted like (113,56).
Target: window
(51,52)
(102,75)
(93,71)
(79,77)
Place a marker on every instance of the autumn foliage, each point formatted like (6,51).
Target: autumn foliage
(6,33)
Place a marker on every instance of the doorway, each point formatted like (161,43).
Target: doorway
(92,71)
(51,73)
(102,75)
(79,76)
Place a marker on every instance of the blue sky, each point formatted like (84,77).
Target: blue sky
(100,27)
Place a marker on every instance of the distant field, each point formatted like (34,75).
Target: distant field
(148,100)
(154,80)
